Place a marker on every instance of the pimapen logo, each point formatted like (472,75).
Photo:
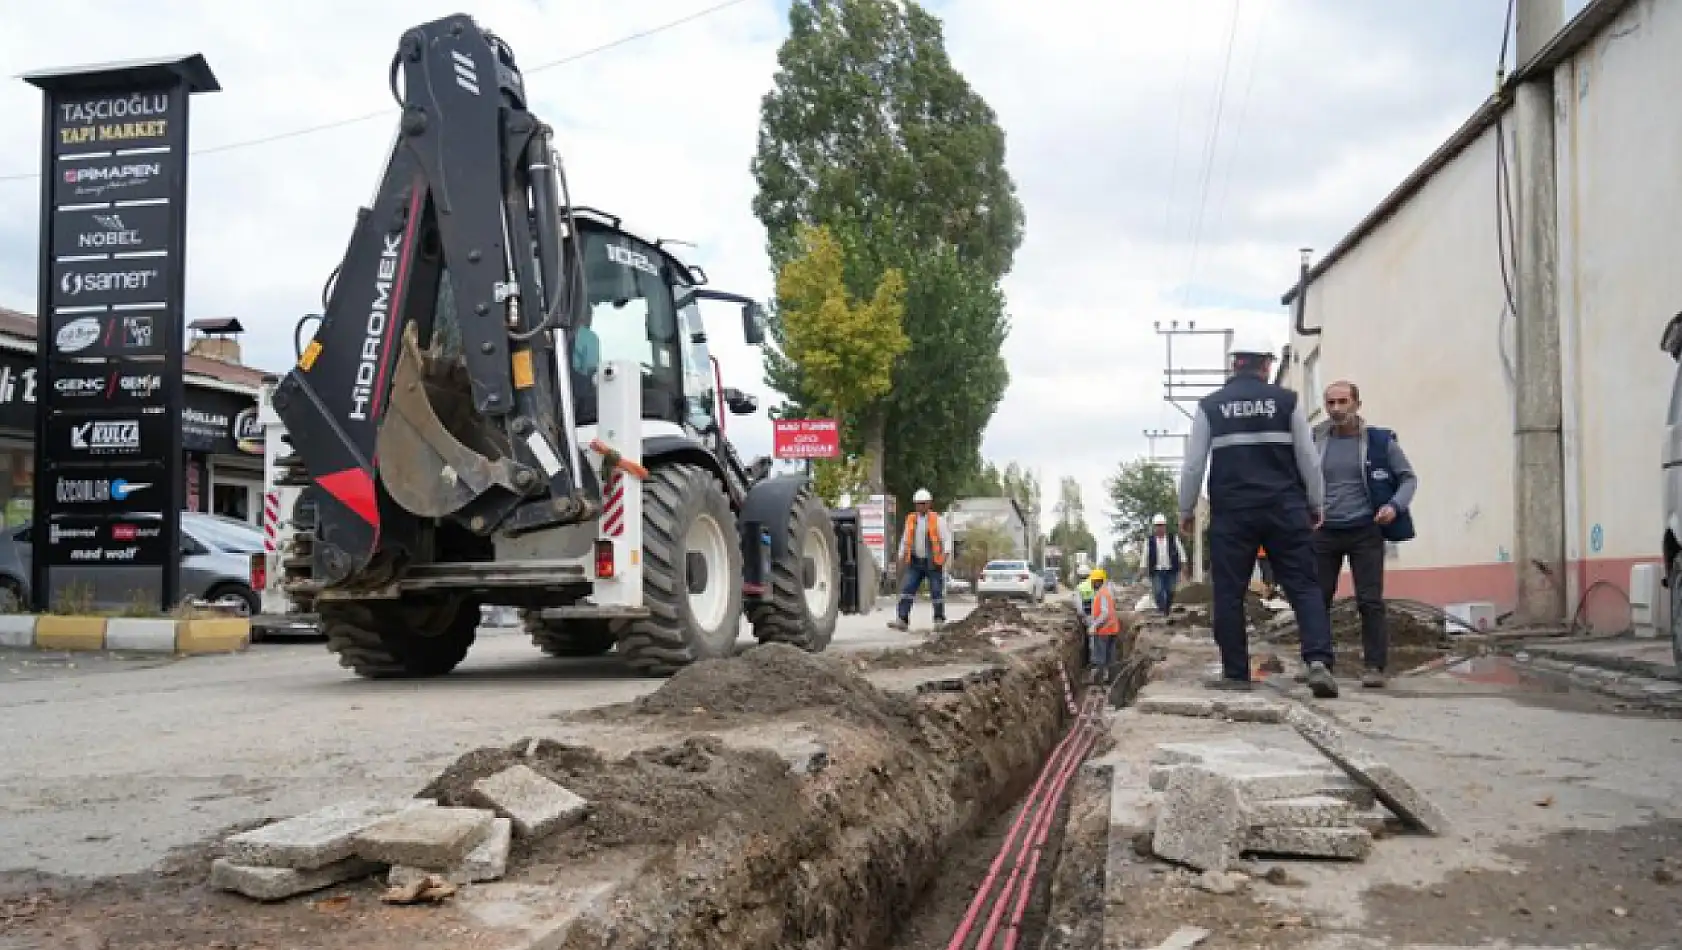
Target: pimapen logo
(93,181)
(98,437)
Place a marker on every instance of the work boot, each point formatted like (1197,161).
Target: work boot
(1320,681)
(1372,678)
(900,625)
(1228,684)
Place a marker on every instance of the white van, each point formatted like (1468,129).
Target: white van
(1670,459)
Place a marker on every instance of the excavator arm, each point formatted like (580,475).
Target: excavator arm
(429,389)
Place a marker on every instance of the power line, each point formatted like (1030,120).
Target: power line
(1209,153)
(1221,203)
(386,113)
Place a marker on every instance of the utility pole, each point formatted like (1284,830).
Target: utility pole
(1171,461)
(1183,385)
(1539,469)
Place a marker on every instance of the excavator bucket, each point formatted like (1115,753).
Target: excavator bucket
(423,466)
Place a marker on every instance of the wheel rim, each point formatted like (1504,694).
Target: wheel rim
(241,607)
(705,538)
(819,590)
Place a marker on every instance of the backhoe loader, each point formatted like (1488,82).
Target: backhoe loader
(509,400)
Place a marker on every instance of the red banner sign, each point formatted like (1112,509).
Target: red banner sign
(805,439)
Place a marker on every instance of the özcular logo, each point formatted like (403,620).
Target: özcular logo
(78,334)
(112,233)
(379,313)
(75,283)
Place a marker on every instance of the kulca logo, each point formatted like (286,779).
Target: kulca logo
(101,436)
(77,335)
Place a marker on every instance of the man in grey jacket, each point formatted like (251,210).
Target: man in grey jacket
(1354,526)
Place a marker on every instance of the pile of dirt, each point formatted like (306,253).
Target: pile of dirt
(1197,593)
(739,687)
(990,613)
(653,797)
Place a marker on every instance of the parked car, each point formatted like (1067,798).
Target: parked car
(1050,580)
(1013,579)
(215,567)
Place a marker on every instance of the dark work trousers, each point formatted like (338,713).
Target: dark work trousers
(1162,585)
(1234,537)
(1364,547)
(918,570)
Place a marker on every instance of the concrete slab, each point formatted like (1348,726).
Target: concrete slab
(275,884)
(1197,707)
(1199,820)
(536,805)
(1353,844)
(433,838)
(1396,792)
(1309,811)
(314,839)
(487,862)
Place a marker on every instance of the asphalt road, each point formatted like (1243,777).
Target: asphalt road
(106,764)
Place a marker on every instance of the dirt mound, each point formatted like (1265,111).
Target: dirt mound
(1198,592)
(989,613)
(773,680)
(656,796)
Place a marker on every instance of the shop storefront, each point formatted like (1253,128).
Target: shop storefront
(220,437)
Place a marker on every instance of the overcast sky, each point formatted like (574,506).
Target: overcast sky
(1108,107)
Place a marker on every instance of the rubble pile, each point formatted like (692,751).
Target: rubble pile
(1221,799)
(426,849)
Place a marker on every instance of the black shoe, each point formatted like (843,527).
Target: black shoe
(1229,684)
(1321,682)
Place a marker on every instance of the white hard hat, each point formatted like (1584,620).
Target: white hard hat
(1083,572)
(1159,519)
(922,495)
(1251,343)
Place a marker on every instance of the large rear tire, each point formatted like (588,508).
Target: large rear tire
(570,638)
(692,573)
(400,640)
(805,599)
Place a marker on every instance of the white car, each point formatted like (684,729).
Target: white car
(1014,579)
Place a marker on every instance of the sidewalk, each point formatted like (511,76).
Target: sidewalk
(1564,821)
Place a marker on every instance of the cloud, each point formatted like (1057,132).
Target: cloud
(1107,107)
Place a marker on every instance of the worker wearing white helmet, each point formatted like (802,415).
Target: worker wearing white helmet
(1165,560)
(922,557)
(1265,489)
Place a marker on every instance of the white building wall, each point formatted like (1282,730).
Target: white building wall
(1412,315)
(1619,149)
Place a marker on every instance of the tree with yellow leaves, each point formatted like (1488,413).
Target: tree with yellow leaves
(844,351)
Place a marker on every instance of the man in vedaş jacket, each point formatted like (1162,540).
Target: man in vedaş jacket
(1265,490)
(922,557)
(1369,488)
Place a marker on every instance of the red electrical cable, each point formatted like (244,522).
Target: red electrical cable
(1014,931)
(1030,809)
(1045,812)
(981,894)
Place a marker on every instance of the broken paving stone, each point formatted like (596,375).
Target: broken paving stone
(1396,792)
(274,884)
(1308,811)
(1352,844)
(1194,706)
(1217,882)
(1250,709)
(434,838)
(314,839)
(487,862)
(1263,780)
(1179,753)
(1200,819)
(536,805)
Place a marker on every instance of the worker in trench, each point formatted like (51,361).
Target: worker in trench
(922,557)
(1083,592)
(1265,489)
(1104,628)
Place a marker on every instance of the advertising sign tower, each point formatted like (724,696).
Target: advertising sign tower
(109,468)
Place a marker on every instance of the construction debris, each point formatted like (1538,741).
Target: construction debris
(427,849)
(1397,793)
(1235,708)
(1225,798)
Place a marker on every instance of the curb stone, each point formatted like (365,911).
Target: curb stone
(89,634)
(1651,691)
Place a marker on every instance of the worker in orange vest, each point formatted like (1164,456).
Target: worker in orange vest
(922,556)
(1266,570)
(1106,625)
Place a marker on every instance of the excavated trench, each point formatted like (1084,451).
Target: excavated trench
(773,800)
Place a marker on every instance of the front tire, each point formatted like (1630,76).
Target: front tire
(692,573)
(570,638)
(1676,609)
(805,595)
